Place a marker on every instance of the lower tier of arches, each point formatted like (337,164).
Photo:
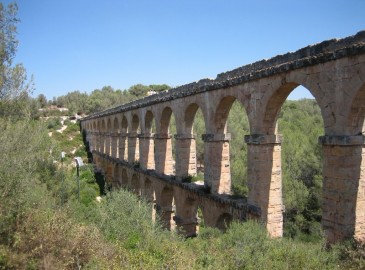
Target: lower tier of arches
(178,205)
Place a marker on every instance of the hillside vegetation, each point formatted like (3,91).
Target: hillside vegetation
(43,225)
(47,222)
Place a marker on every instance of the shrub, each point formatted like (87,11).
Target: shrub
(67,122)
(53,123)
(51,239)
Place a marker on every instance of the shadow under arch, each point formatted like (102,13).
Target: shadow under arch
(125,179)
(100,180)
(186,215)
(149,117)
(117,177)
(150,196)
(165,120)
(108,139)
(116,124)
(98,136)
(88,143)
(102,137)
(135,184)
(124,125)
(164,207)
(223,221)
(148,191)
(135,123)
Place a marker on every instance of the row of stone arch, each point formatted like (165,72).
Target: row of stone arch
(122,140)
(337,84)
(176,207)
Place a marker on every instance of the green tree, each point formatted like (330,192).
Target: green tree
(301,123)
(159,87)
(14,86)
(42,100)
(139,90)
(238,126)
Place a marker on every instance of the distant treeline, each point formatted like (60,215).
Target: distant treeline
(99,99)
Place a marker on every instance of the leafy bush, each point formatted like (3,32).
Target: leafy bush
(247,246)
(25,149)
(51,239)
(67,122)
(54,123)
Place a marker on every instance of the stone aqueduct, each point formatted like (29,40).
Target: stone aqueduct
(126,151)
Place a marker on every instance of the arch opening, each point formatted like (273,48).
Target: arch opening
(102,137)
(147,143)
(165,143)
(150,196)
(125,179)
(165,208)
(124,125)
(133,141)
(116,124)
(300,122)
(135,184)
(224,221)
(135,124)
(123,141)
(150,126)
(149,192)
(186,218)
(237,125)
(117,177)
(108,138)
(191,157)
(226,154)
(115,139)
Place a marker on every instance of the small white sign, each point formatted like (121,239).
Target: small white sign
(79,161)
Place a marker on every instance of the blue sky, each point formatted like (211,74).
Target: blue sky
(86,44)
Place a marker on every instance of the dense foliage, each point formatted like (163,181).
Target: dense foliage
(301,124)
(49,221)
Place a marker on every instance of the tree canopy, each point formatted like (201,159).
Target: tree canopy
(14,86)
